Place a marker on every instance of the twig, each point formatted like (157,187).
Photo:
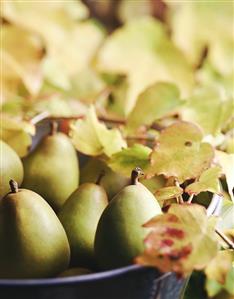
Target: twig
(225,239)
(45,115)
(141,138)
(190,198)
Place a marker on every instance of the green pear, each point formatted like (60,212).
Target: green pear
(119,236)
(33,241)
(52,170)
(75,272)
(11,167)
(80,215)
(112,182)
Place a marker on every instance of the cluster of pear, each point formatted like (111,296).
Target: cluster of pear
(52,223)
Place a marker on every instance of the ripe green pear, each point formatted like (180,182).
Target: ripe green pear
(52,170)
(11,167)
(112,182)
(119,236)
(75,272)
(79,216)
(33,241)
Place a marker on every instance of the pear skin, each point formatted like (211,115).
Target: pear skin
(79,216)
(75,272)
(52,170)
(11,167)
(33,241)
(112,182)
(119,236)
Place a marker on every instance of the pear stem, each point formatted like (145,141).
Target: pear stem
(101,175)
(14,186)
(53,128)
(136,173)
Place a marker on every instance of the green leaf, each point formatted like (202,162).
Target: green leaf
(142,50)
(129,158)
(91,137)
(168,192)
(227,163)
(208,181)
(154,183)
(181,153)
(207,101)
(155,102)
(17,134)
(181,240)
(20,65)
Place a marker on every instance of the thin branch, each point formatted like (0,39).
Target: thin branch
(141,138)
(45,115)
(225,239)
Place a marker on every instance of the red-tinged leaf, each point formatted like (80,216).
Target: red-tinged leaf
(181,240)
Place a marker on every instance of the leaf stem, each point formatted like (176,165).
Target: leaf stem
(180,198)
(190,198)
(39,117)
(225,239)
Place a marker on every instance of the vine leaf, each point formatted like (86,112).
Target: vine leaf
(91,137)
(208,181)
(17,134)
(181,153)
(191,33)
(220,273)
(227,163)
(142,50)
(208,100)
(181,240)
(64,36)
(155,102)
(127,159)
(168,192)
(20,65)
(227,216)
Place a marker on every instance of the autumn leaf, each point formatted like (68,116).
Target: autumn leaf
(142,50)
(193,25)
(68,50)
(220,273)
(129,158)
(91,137)
(208,181)
(181,153)
(155,102)
(17,133)
(20,64)
(181,240)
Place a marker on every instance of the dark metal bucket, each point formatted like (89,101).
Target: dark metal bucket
(132,282)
